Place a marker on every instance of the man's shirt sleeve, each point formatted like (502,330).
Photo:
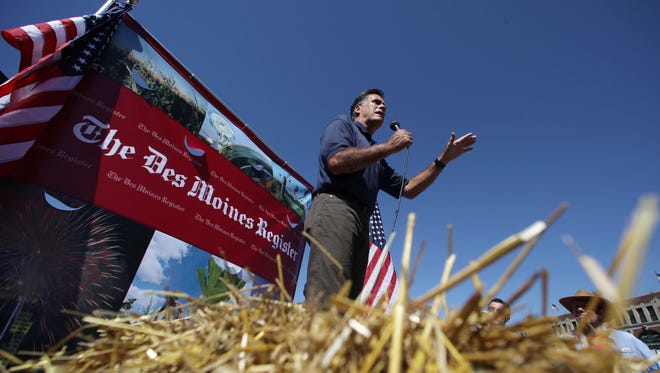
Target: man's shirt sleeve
(336,137)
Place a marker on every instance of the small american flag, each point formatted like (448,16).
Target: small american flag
(657,275)
(380,278)
(554,307)
(54,57)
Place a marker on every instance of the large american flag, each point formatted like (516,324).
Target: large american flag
(380,278)
(54,57)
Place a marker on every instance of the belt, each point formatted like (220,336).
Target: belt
(359,205)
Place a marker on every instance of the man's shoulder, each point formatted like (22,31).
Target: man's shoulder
(620,333)
(623,336)
(341,123)
(341,119)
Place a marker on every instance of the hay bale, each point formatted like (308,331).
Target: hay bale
(259,334)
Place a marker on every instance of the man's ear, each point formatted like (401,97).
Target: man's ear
(356,110)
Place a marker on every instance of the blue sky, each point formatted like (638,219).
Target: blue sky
(564,97)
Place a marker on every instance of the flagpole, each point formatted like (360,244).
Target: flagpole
(109,3)
(105,6)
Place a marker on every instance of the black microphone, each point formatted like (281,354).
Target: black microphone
(394,126)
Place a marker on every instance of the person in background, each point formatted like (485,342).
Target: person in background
(603,311)
(503,308)
(352,169)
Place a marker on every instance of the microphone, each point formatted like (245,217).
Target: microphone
(394,126)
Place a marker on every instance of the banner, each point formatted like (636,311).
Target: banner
(140,141)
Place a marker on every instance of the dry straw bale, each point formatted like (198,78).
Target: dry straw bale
(259,334)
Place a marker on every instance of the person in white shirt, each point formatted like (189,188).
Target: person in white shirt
(597,311)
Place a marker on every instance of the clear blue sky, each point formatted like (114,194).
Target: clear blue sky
(564,97)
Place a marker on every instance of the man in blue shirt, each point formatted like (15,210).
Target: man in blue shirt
(352,169)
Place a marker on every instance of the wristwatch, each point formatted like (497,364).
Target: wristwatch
(438,163)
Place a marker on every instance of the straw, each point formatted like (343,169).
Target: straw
(503,248)
(267,333)
(399,308)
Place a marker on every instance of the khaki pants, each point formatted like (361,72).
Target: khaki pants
(342,228)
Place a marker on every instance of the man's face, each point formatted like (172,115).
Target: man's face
(371,111)
(580,311)
(498,307)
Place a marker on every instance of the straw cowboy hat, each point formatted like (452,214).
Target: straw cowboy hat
(585,297)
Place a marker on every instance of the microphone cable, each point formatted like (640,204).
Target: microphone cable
(395,126)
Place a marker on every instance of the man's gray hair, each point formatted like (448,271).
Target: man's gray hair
(359,99)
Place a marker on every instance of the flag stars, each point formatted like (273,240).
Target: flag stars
(76,57)
(376,231)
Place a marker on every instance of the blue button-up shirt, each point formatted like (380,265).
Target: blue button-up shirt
(340,134)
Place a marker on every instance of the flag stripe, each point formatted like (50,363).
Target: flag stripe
(18,39)
(385,287)
(12,152)
(60,32)
(76,28)
(52,63)
(15,99)
(380,278)
(29,45)
(384,280)
(39,40)
(371,283)
(374,256)
(45,39)
(36,105)
(28,116)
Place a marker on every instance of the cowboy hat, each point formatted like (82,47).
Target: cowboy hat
(585,297)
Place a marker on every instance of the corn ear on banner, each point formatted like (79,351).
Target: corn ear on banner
(142,142)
